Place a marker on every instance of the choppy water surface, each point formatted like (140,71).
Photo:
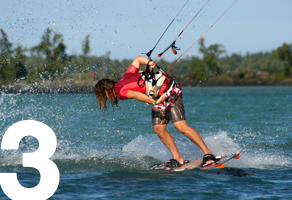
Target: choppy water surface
(107,155)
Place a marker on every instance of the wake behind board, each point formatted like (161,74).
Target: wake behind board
(197,163)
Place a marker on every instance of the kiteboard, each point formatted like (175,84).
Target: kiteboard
(219,163)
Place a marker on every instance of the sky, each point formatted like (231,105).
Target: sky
(130,27)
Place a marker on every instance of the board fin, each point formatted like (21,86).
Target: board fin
(236,157)
(220,165)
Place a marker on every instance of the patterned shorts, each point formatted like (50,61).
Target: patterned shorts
(175,113)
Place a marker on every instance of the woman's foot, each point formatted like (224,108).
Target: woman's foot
(172,164)
(208,159)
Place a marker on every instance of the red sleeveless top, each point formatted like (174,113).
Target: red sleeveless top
(130,82)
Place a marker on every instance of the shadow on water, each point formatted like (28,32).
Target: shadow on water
(233,172)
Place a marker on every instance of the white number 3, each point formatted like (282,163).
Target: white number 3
(49,173)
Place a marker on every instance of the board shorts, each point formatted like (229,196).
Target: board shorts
(175,113)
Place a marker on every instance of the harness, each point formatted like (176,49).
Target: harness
(154,81)
(153,85)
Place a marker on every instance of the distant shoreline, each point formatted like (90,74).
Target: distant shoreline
(183,81)
(59,87)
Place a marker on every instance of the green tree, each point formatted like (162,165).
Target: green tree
(179,68)
(284,54)
(12,60)
(198,69)
(5,46)
(20,57)
(231,63)
(261,62)
(52,47)
(21,71)
(7,70)
(211,55)
(86,46)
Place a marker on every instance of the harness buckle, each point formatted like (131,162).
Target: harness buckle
(151,93)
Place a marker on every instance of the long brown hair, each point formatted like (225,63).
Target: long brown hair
(104,90)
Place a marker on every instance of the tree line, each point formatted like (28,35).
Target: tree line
(48,61)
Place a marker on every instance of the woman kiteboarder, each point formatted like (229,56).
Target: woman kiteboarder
(164,94)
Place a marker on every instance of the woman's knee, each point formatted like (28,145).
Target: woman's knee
(159,129)
(182,127)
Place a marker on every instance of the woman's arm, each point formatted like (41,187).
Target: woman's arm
(141,60)
(144,98)
(131,94)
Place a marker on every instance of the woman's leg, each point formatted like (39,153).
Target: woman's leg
(177,116)
(168,141)
(192,134)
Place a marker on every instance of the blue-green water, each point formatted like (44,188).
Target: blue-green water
(107,155)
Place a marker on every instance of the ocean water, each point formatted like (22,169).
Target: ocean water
(108,155)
